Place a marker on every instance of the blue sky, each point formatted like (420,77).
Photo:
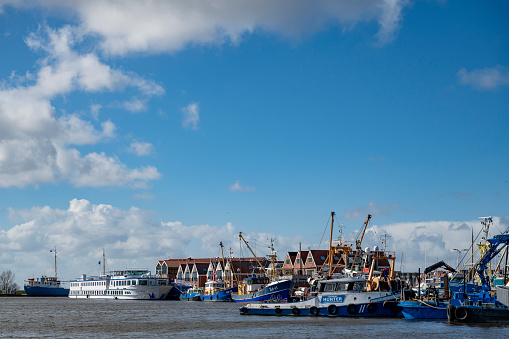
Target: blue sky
(158,129)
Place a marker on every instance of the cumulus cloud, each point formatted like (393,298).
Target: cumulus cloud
(141,148)
(191,116)
(169,26)
(129,236)
(36,144)
(237,187)
(484,79)
(425,243)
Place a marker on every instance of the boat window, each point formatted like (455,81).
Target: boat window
(356,286)
(322,257)
(143,282)
(330,287)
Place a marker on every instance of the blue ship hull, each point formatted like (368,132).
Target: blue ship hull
(224,295)
(279,292)
(419,310)
(37,291)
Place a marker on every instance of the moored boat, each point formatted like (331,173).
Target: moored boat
(193,294)
(46,286)
(217,291)
(263,288)
(483,307)
(420,309)
(340,296)
(129,284)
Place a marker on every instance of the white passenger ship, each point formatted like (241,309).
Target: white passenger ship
(125,284)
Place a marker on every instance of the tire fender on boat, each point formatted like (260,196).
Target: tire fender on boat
(351,309)
(295,311)
(461,313)
(277,310)
(313,310)
(332,309)
(450,312)
(372,308)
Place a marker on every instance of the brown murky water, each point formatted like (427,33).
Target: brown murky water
(65,318)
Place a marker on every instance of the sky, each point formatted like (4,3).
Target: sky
(157,129)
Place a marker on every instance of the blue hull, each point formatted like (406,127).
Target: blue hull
(418,310)
(279,292)
(224,295)
(37,291)
(359,310)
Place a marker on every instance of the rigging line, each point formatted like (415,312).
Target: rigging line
(325,230)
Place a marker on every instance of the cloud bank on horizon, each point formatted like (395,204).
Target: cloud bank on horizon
(132,239)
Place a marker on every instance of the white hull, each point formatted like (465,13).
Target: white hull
(138,293)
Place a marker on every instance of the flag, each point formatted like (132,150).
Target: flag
(51,250)
(99,263)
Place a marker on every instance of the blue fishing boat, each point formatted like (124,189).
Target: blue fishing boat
(46,286)
(217,291)
(260,290)
(418,309)
(193,294)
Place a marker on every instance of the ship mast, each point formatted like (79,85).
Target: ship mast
(222,256)
(358,243)
(254,255)
(104,263)
(55,262)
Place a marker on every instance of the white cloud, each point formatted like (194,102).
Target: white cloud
(130,238)
(484,79)
(141,148)
(237,187)
(169,26)
(36,143)
(191,116)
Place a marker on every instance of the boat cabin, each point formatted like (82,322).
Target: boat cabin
(212,287)
(341,285)
(252,284)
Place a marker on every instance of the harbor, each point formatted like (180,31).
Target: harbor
(347,281)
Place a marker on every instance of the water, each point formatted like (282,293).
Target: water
(69,318)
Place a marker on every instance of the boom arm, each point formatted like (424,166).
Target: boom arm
(494,247)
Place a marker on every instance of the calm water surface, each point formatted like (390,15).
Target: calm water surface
(65,318)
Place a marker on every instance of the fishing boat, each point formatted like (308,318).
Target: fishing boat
(347,294)
(128,284)
(262,288)
(428,303)
(217,291)
(46,286)
(483,307)
(423,309)
(193,294)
